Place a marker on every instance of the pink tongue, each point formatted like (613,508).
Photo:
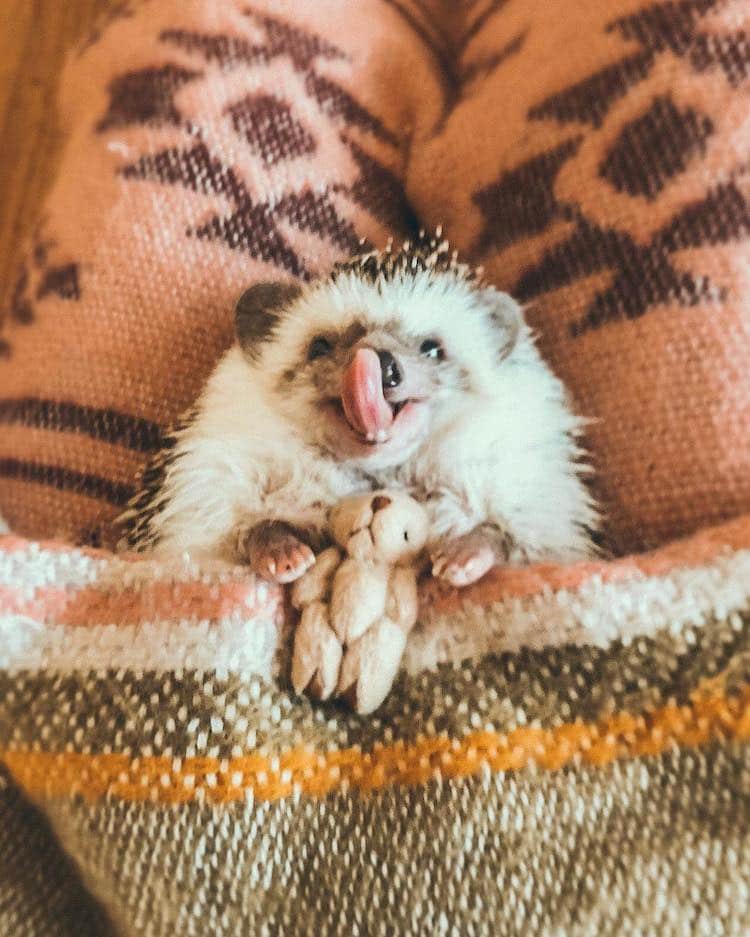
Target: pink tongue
(365,406)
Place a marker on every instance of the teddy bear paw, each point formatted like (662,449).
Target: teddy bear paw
(370,665)
(316,657)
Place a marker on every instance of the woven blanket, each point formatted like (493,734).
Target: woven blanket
(564,752)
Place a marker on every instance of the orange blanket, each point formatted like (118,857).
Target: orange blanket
(595,162)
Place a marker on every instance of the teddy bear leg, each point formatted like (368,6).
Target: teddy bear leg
(316,657)
(370,666)
(358,598)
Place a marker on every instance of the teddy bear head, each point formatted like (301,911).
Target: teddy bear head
(380,527)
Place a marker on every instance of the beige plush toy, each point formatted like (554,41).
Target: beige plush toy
(359,600)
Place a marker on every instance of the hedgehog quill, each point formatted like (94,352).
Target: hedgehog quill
(402,369)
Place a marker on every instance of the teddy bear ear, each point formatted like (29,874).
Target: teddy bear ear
(351,514)
(381,502)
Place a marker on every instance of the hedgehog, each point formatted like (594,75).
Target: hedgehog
(401,369)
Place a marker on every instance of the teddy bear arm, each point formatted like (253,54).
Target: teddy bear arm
(315,584)
(316,657)
(402,605)
(358,598)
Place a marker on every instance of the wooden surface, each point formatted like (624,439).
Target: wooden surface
(34,37)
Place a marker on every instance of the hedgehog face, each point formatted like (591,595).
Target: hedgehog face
(367,364)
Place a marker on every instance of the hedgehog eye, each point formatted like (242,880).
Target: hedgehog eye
(431,348)
(319,348)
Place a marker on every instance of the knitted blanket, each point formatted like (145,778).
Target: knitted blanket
(564,752)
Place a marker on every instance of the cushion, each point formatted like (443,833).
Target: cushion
(594,163)
(209,146)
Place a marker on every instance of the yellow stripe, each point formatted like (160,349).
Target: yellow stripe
(170,781)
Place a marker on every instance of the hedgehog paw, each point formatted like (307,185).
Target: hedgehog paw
(463,561)
(275,552)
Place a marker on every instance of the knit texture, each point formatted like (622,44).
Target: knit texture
(565,750)
(595,163)
(592,781)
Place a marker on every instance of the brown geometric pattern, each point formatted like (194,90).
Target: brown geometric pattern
(608,190)
(666,25)
(649,152)
(589,101)
(98,423)
(646,276)
(145,97)
(653,149)
(380,191)
(116,10)
(269,126)
(88,484)
(522,202)
(461,71)
(731,52)
(38,278)
(280,38)
(251,227)
(302,48)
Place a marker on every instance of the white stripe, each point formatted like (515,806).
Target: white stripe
(235,644)
(596,614)
(33,567)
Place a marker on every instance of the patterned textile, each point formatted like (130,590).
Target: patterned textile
(565,751)
(595,163)
(563,754)
(211,144)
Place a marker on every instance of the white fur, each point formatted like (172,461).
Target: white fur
(502,452)
(239,465)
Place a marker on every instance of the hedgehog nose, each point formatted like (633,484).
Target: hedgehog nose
(390,370)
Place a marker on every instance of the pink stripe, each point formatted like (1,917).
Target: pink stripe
(9,543)
(522,582)
(154,601)
(170,600)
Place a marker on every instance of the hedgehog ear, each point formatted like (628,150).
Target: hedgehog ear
(506,319)
(258,311)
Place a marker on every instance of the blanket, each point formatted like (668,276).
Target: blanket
(564,752)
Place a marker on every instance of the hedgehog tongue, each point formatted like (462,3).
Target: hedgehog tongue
(365,407)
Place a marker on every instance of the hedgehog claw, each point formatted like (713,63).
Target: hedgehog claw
(281,557)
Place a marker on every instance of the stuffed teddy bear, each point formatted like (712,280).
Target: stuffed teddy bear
(358,603)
